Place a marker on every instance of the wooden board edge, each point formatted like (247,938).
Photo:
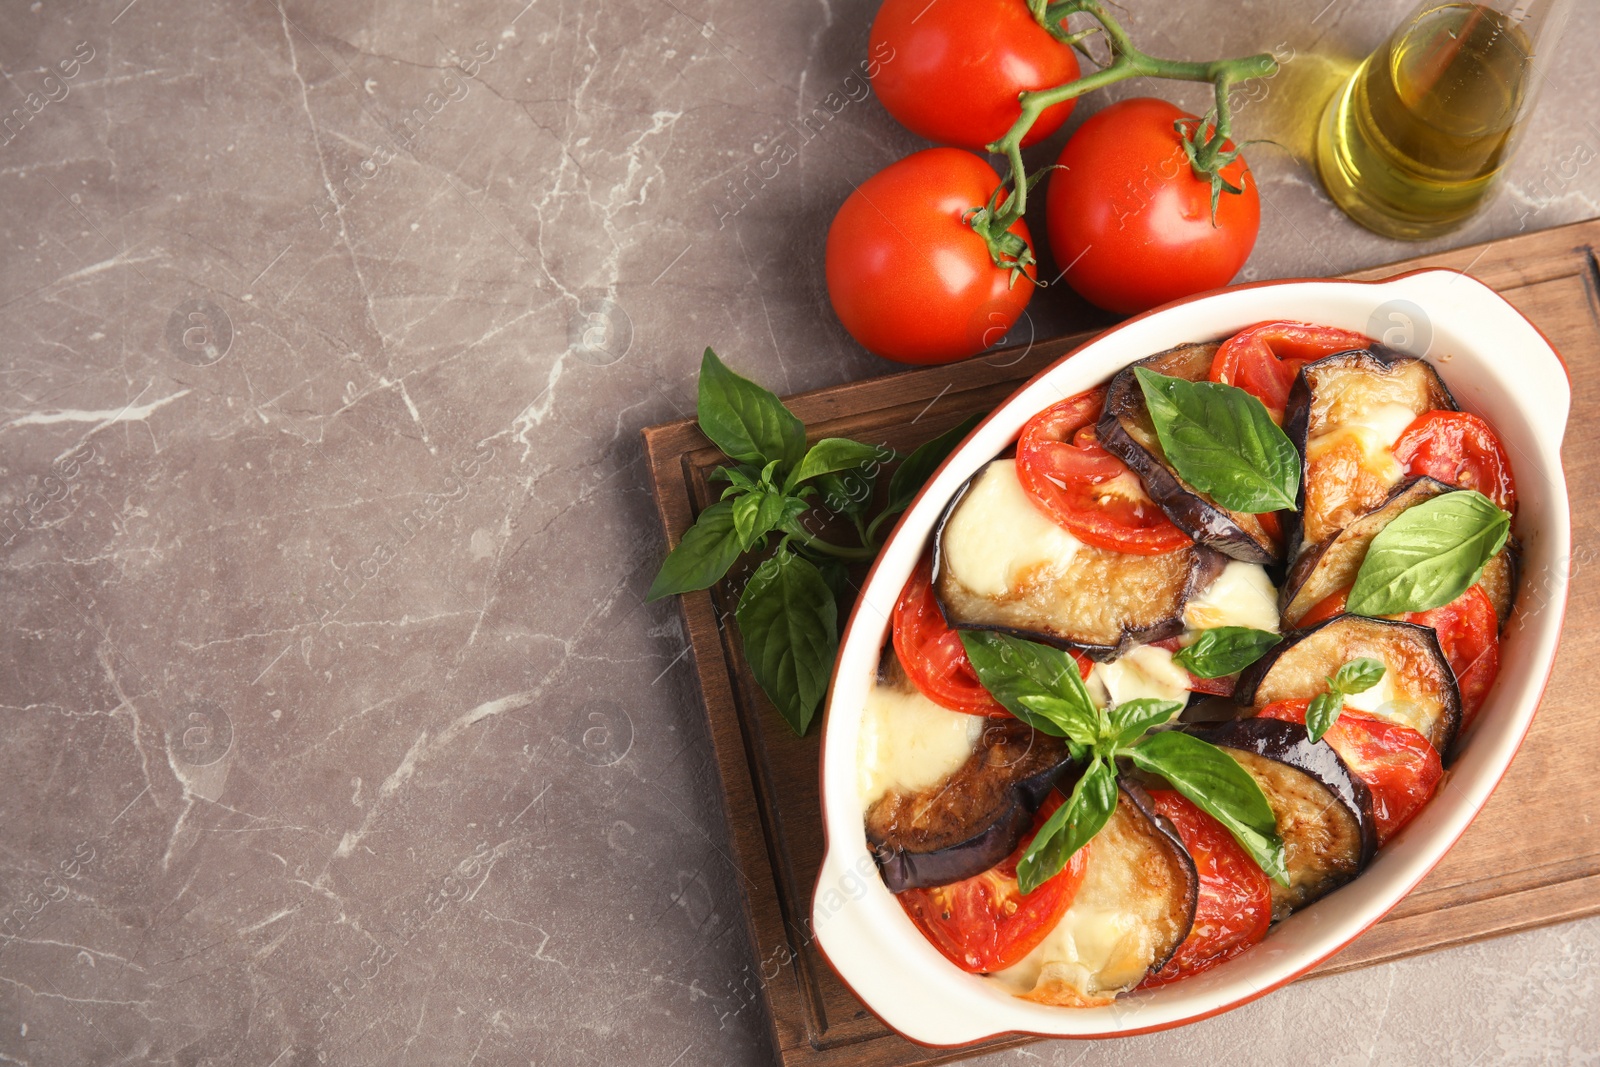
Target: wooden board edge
(1491,917)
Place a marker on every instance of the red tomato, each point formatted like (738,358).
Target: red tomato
(1324,609)
(1458,449)
(1398,765)
(1220,687)
(1130,223)
(985,923)
(933,655)
(1263,359)
(908,278)
(1235,904)
(1086,489)
(1469,635)
(952,72)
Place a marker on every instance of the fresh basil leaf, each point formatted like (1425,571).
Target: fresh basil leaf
(745,478)
(749,423)
(757,514)
(1430,554)
(848,492)
(1224,650)
(788,622)
(1011,668)
(1322,713)
(1075,726)
(1357,676)
(707,550)
(1223,442)
(919,466)
(1132,719)
(1217,785)
(837,575)
(1072,826)
(833,454)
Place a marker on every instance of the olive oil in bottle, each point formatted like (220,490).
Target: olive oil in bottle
(1412,143)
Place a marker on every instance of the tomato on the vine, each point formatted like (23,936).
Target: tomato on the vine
(1460,449)
(1263,359)
(1086,489)
(985,923)
(952,72)
(1234,908)
(908,278)
(1131,224)
(1396,764)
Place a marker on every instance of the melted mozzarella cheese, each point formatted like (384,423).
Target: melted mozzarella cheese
(1107,938)
(1145,671)
(1242,595)
(1385,702)
(999,538)
(1099,951)
(909,743)
(1374,431)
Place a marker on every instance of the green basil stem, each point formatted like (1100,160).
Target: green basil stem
(1127,61)
(827,548)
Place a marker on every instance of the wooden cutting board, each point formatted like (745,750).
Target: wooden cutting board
(1549,873)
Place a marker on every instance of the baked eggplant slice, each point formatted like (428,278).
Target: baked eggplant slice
(1331,567)
(972,819)
(1125,430)
(1324,812)
(1499,579)
(1132,911)
(1418,688)
(1344,414)
(1000,563)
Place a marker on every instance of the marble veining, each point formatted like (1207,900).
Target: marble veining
(335,728)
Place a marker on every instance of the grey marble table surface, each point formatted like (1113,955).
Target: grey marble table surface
(333,725)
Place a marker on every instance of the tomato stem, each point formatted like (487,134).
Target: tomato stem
(1207,152)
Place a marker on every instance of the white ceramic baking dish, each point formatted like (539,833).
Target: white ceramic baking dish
(1497,364)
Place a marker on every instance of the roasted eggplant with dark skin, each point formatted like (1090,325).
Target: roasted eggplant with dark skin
(1139,876)
(1324,812)
(1343,415)
(972,820)
(1418,688)
(1331,567)
(1125,430)
(1001,564)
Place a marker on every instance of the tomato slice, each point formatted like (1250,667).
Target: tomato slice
(985,923)
(1469,637)
(1221,687)
(1398,765)
(1263,359)
(1324,609)
(1469,634)
(932,653)
(1458,449)
(1235,904)
(1086,489)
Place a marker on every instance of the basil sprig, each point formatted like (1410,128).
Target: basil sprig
(1354,677)
(1042,686)
(1429,554)
(1224,650)
(1223,442)
(788,613)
